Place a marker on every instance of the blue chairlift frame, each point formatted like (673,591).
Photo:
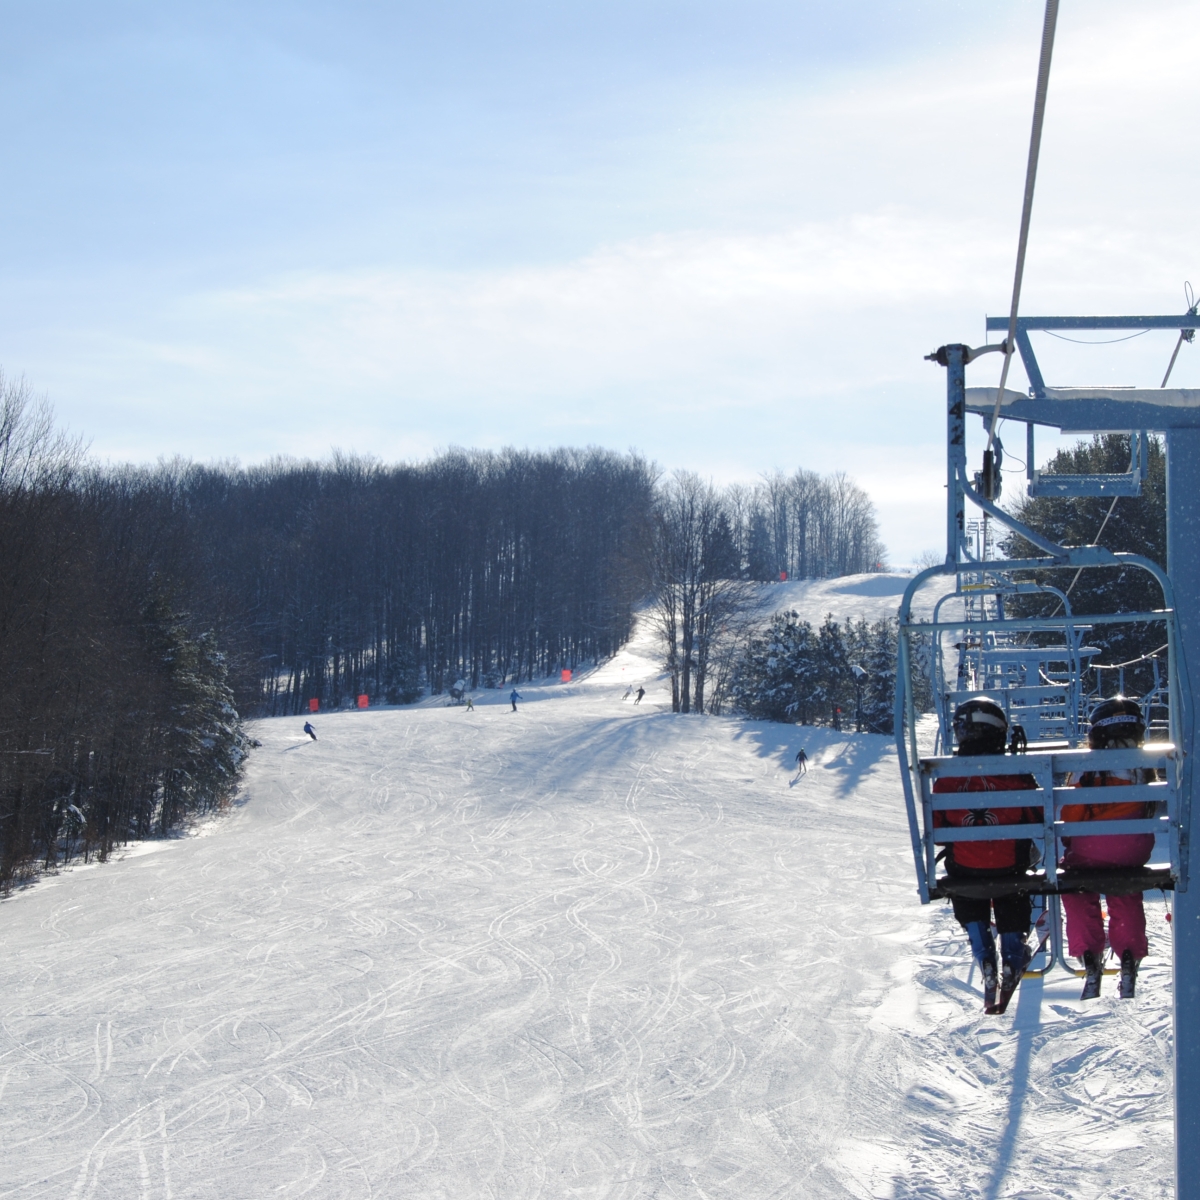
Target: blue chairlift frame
(1049,766)
(1047,709)
(1073,410)
(1127,484)
(1176,414)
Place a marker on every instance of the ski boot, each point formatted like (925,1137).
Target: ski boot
(1129,970)
(983,946)
(1016,955)
(1093,964)
(990,983)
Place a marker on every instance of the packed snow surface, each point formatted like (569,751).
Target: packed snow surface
(850,598)
(586,949)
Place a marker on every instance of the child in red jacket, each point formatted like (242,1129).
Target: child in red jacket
(980,727)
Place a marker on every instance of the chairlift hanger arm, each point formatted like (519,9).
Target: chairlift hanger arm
(1034,538)
(1077,556)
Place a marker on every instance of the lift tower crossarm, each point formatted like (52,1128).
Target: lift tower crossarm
(1094,409)
(1050,324)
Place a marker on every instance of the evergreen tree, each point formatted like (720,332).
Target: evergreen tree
(761,562)
(202,742)
(835,692)
(777,676)
(880,684)
(402,680)
(1138,525)
(790,672)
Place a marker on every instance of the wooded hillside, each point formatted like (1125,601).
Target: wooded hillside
(143,608)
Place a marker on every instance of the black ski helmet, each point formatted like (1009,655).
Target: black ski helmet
(1116,717)
(981,723)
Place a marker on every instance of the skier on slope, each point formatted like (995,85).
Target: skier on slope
(640,693)
(980,727)
(1117,724)
(514,697)
(312,733)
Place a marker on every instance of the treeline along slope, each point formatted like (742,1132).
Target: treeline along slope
(143,608)
(354,577)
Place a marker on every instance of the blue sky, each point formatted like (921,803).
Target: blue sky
(724,234)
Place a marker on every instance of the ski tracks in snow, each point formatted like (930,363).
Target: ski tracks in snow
(583,950)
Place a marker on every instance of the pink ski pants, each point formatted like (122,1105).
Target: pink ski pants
(1126,915)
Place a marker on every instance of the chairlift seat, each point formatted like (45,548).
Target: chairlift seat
(1050,770)
(1041,484)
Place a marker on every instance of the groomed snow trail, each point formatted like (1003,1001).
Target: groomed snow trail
(583,950)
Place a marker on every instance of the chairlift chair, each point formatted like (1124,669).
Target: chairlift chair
(1037,668)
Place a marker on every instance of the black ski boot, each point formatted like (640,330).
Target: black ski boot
(1129,970)
(1094,965)
(1017,955)
(983,947)
(988,970)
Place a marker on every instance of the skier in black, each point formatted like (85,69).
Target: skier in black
(514,698)
(801,763)
(640,693)
(312,733)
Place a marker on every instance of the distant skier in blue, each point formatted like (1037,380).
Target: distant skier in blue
(312,733)
(514,698)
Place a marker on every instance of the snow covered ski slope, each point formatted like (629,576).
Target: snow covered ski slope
(583,950)
(848,597)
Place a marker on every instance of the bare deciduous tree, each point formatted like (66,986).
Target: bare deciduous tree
(697,588)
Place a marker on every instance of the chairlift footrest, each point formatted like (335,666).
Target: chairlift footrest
(1114,882)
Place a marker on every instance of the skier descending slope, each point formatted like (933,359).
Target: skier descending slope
(312,733)
(981,728)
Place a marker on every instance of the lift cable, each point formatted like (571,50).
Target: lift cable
(1035,144)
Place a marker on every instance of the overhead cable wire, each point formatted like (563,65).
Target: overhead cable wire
(1035,145)
(1102,342)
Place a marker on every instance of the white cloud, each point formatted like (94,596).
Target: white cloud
(851,232)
